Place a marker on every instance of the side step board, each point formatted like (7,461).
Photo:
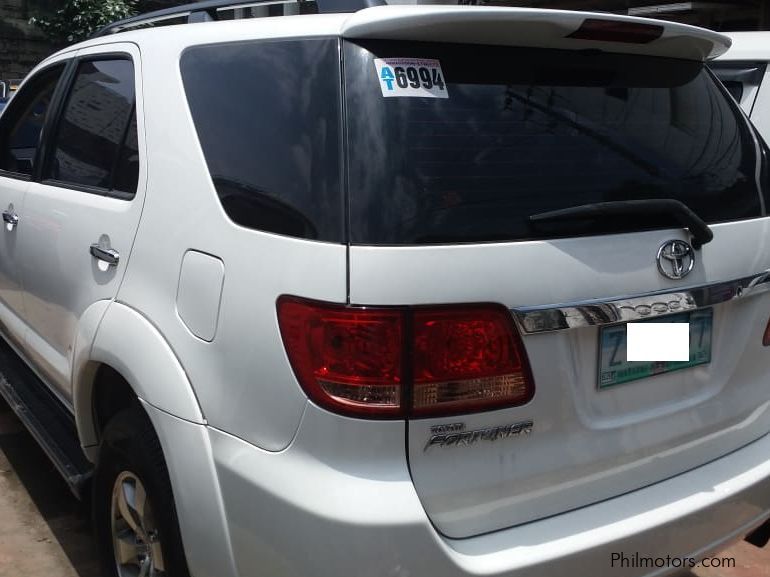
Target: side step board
(49,422)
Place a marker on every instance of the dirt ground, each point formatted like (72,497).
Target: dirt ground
(46,532)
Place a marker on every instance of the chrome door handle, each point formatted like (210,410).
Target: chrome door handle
(108,255)
(10,218)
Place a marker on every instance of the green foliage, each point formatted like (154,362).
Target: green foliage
(78,19)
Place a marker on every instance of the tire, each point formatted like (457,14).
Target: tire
(131,464)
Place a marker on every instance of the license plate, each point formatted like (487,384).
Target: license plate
(614,369)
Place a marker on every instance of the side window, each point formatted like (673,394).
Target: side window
(95,144)
(23,122)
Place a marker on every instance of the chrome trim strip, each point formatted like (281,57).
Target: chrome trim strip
(589,313)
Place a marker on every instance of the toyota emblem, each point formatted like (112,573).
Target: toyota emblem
(676,258)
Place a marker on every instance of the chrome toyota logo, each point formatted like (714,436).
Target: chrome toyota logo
(676,259)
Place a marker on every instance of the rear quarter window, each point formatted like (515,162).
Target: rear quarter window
(267,114)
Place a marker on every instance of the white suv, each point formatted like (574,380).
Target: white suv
(344,294)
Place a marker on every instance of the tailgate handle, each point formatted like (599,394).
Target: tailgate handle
(588,313)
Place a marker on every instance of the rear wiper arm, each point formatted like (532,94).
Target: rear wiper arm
(699,230)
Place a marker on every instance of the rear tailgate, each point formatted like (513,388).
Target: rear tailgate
(586,444)
(441,190)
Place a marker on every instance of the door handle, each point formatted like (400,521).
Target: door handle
(11,218)
(108,255)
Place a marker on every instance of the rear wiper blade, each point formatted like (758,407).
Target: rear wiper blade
(699,230)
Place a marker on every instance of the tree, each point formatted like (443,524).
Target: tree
(78,19)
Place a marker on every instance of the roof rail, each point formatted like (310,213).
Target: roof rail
(209,10)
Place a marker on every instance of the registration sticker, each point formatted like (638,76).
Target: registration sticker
(413,77)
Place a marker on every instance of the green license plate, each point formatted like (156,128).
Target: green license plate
(614,369)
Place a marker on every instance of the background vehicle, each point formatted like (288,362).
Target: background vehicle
(743,70)
(7,89)
(4,94)
(344,294)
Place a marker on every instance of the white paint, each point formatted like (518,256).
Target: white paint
(199,293)
(525,27)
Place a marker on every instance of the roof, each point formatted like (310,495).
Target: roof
(748,46)
(445,23)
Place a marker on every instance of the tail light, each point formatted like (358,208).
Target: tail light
(467,359)
(766,336)
(398,362)
(347,359)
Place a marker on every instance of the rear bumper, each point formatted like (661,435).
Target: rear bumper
(689,516)
(325,507)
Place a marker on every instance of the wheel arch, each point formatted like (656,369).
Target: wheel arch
(116,348)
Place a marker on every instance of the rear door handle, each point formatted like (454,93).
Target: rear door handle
(108,255)
(11,218)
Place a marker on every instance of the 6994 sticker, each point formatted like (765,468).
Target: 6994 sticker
(413,77)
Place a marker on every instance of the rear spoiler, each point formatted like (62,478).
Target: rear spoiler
(536,28)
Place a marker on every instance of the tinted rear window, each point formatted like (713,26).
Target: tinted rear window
(268,119)
(526,131)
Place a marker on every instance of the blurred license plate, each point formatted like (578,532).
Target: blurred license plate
(614,369)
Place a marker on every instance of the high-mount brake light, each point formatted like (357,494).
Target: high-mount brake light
(396,362)
(614,31)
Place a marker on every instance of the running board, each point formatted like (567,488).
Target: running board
(47,419)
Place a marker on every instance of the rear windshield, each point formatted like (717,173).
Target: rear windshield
(519,132)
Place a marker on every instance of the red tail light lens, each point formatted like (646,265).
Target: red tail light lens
(347,359)
(363,361)
(613,31)
(766,336)
(467,359)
